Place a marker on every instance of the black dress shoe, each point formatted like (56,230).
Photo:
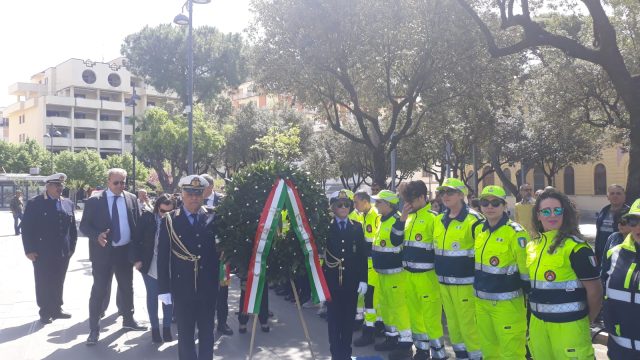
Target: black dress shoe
(45,320)
(242,329)
(155,336)
(265,327)
(102,315)
(225,329)
(166,334)
(94,335)
(131,324)
(61,315)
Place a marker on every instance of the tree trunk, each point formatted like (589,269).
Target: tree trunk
(505,181)
(633,174)
(379,166)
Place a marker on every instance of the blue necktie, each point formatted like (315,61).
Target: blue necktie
(194,219)
(343,225)
(115,221)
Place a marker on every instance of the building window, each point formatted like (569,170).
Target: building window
(80,96)
(569,181)
(127,139)
(538,179)
(487,176)
(151,103)
(80,115)
(507,174)
(105,98)
(104,117)
(600,180)
(114,80)
(53,113)
(89,76)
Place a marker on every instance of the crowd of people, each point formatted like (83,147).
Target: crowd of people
(396,264)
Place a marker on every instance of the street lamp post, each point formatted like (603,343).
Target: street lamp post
(52,132)
(132,103)
(181,19)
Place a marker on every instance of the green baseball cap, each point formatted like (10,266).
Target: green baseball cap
(388,196)
(634,210)
(453,183)
(493,190)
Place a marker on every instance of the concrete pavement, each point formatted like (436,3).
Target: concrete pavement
(22,337)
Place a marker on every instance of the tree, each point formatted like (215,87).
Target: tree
(162,144)
(280,145)
(30,154)
(362,62)
(82,168)
(596,39)
(159,55)
(125,161)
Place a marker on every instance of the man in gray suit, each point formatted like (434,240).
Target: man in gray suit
(109,220)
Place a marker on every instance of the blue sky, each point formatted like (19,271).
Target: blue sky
(38,34)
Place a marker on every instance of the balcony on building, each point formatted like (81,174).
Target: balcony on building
(86,118)
(58,116)
(85,139)
(110,140)
(110,120)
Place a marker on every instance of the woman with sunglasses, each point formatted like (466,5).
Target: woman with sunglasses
(566,292)
(501,279)
(621,274)
(145,254)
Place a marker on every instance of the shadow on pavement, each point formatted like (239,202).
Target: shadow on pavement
(16,332)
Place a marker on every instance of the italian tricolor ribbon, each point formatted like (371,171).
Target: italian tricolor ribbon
(283,194)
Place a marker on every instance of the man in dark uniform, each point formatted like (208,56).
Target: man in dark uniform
(211,199)
(345,269)
(49,237)
(188,269)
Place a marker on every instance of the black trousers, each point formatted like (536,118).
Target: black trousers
(222,305)
(263,315)
(49,273)
(103,272)
(341,312)
(192,313)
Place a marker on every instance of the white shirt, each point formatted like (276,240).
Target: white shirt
(210,199)
(125,230)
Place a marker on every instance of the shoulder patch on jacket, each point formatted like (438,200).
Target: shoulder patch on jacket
(517,227)
(577,239)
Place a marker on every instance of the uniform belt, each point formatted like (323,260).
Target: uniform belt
(418,265)
(557,285)
(626,342)
(498,296)
(452,280)
(507,270)
(558,308)
(622,295)
(417,244)
(456,253)
(389,271)
(384,249)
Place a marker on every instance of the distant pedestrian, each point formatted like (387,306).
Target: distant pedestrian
(17,208)
(609,217)
(143,201)
(524,210)
(49,237)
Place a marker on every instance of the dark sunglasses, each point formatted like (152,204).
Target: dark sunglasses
(164,210)
(494,203)
(118,182)
(546,212)
(343,205)
(448,192)
(630,222)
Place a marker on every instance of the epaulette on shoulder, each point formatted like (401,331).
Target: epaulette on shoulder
(577,239)
(517,227)
(175,212)
(208,209)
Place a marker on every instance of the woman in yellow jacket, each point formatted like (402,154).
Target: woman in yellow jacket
(566,292)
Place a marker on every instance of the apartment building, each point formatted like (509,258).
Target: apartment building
(4,126)
(80,104)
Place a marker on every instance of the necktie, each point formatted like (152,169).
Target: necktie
(115,221)
(194,219)
(343,225)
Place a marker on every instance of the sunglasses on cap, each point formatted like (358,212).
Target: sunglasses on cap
(449,191)
(342,204)
(630,221)
(494,203)
(546,212)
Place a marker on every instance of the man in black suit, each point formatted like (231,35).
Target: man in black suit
(49,237)
(188,269)
(109,220)
(345,269)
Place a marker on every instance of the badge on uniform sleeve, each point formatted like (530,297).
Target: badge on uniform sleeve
(494,261)
(522,242)
(369,228)
(549,275)
(418,237)
(593,261)
(383,243)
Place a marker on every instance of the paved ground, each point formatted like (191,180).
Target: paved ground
(22,337)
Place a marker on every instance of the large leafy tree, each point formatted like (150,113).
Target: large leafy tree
(125,161)
(82,168)
(162,144)
(603,36)
(362,62)
(25,156)
(159,55)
